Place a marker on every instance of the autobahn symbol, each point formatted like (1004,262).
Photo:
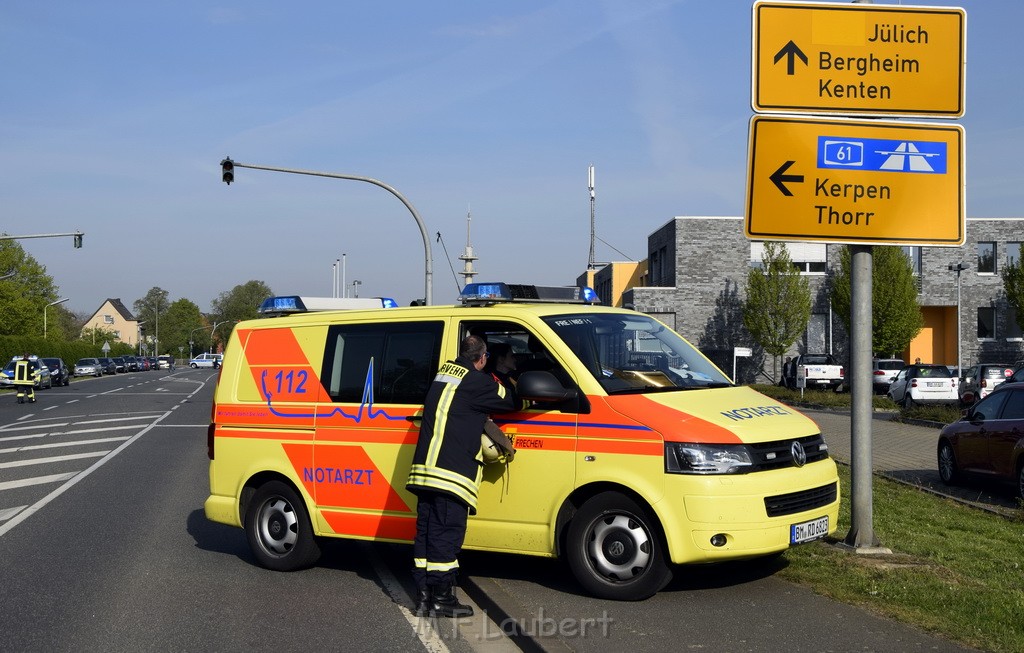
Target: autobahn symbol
(855,181)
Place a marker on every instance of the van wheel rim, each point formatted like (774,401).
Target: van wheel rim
(619,547)
(278,526)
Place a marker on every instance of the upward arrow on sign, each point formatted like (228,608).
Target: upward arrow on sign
(791,52)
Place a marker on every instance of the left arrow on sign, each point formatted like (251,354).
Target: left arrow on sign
(791,52)
(779,177)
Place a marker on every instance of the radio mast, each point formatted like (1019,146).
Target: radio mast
(590,185)
(468,272)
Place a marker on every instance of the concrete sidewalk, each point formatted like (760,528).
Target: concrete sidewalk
(907,453)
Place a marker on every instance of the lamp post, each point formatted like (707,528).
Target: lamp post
(958,268)
(355,287)
(190,342)
(214,330)
(59,301)
(138,333)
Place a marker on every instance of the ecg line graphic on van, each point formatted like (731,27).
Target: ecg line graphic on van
(366,403)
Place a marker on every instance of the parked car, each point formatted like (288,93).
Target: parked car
(60,373)
(988,441)
(206,360)
(165,362)
(131,364)
(924,384)
(1018,376)
(109,365)
(143,363)
(42,381)
(88,367)
(120,364)
(883,371)
(154,362)
(977,382)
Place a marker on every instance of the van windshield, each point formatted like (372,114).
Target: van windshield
(635,353)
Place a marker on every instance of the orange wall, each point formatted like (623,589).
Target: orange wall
(937,341)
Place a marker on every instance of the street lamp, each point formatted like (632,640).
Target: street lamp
(958,268)
(190,342)
(59,301)
(214,330)
(138,333)
(355,287)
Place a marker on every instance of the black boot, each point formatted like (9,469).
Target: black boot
(445,604)
(424,599)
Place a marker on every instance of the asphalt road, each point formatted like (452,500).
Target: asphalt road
(104,546)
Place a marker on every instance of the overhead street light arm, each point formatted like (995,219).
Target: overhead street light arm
(227,166)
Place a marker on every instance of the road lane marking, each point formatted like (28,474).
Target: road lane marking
(27,482)
(7,513)
(58,445)
(52,459)
(424,630)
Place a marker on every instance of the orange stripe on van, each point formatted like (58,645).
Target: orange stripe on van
(387,527)
(592,445)
(343,476)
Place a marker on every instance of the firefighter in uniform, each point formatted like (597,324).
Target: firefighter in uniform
(24,380)
(446,471)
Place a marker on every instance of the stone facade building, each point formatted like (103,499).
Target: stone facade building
(696,276)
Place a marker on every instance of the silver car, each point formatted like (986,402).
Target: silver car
(88,367)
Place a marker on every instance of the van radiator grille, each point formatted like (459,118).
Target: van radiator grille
(779,454)
(794,502)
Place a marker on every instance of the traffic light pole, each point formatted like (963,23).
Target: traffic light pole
(77,235)
(228,175)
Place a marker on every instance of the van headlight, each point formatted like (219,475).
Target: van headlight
(688,458)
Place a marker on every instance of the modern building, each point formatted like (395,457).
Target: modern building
(115,317)
(695,276)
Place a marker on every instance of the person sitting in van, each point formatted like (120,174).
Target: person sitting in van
(446,471)
(501,364)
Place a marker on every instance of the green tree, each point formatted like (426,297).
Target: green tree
(896,317)
(149,311)
(240,303)
(1013,284)
(24,294)
(177,323)
(778,304)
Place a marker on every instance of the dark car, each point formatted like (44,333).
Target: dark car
(60,374)
(1018,376)
(130,364)
(988,441)
(121,364)
(109,365)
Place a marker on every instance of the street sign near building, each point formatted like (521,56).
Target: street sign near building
(855,181)
(858,59)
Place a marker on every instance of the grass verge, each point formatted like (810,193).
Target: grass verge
(841,400)
(955,570)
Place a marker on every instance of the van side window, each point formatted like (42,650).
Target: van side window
(404,355)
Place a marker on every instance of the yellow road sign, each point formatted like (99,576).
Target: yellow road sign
(855,181)
(858,59)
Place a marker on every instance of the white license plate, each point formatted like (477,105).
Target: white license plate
(935,384)
(808,530)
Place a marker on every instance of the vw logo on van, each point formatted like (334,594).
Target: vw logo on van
(796,450)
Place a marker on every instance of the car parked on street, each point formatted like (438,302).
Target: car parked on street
(88,367)
(1018,376)
(988,441)
(165,362)
(978,381)
(60,373)
(883,372)
(43,380)
(924,384)
(109,365)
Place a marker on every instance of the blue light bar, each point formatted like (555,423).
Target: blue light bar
(282,305)
(387,302)
(489,293)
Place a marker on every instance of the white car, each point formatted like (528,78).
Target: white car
(924,384)
(206,360)
(88,367)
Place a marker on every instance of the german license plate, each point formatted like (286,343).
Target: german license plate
(808,530)
(934,384)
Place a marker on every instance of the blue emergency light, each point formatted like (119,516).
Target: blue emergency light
(495,292)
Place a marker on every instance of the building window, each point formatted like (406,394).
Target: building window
(108,319)
(986,322)
(1012,253)
(986,258)
(1013,330)
(914,254)
(807,258)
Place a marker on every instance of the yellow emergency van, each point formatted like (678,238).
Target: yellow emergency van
(634,452)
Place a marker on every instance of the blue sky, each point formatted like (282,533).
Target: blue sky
(114,117)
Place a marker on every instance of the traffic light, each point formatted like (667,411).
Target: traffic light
(78,240)
(227,170)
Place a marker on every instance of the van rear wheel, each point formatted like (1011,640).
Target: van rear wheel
(615,551)
(278,528)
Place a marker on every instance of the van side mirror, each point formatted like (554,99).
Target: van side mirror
(542,386)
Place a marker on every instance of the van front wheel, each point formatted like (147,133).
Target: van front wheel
(278,528)
(615,551)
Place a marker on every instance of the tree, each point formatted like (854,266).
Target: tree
(896,317)
(149,311)
(177,323)
(1013,284)
(23,295)
(240,303)
(778,304)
